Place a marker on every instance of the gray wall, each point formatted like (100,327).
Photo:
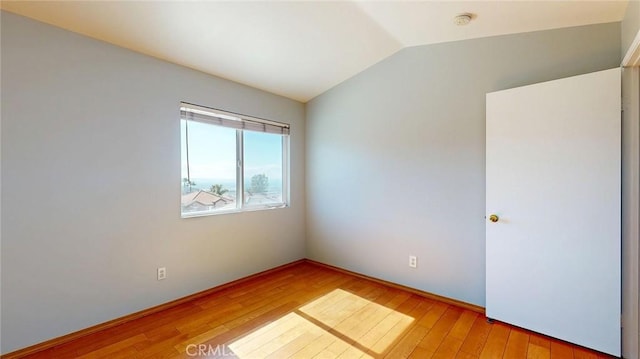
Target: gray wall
(91,185)
(396,155)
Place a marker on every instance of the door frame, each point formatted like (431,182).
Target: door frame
(631,201)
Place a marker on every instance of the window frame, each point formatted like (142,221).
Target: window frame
(241,206)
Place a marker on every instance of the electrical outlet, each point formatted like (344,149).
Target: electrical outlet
(162,273)
(413,261)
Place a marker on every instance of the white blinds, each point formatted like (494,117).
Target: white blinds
(228,119)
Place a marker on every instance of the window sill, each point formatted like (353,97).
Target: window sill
(230,211)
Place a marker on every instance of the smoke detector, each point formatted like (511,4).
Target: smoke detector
(462,19)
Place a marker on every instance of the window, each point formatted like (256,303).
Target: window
(231,162)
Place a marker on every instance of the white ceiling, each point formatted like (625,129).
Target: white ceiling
(300,49)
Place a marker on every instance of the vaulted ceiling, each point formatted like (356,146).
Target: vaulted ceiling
(300,49)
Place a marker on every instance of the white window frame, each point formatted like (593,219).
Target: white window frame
(241,206)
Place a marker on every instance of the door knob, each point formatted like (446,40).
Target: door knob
(494,218)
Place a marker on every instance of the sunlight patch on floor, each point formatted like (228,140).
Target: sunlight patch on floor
(337,325)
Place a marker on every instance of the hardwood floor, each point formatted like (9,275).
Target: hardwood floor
(309,311)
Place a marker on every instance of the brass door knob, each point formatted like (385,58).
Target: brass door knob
(494,218)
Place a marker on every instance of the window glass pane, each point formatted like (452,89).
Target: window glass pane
(208,167)
(262,168)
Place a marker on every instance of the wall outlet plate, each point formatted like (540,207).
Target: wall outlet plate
(162,273)
(413,261)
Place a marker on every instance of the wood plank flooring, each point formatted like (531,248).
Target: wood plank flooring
(309,311)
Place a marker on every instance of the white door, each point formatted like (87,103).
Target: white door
(553,180)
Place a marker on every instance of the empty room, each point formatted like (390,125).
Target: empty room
(320,179)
